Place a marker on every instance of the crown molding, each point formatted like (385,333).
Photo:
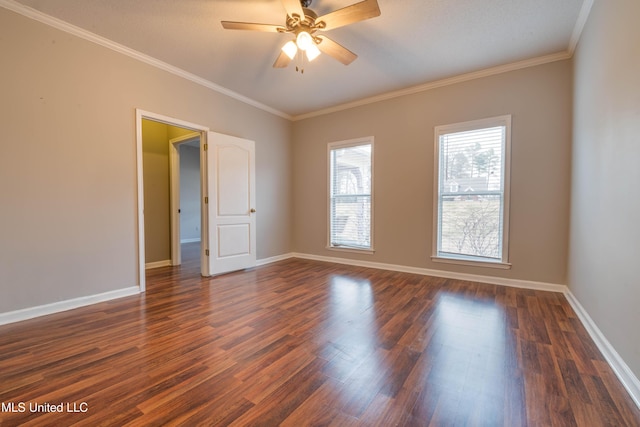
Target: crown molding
(580,24)
(102,41)
(440,83)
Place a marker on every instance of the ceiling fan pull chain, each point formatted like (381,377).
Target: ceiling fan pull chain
(300,62)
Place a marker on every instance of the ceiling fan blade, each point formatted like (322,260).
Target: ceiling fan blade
(293,7)
(229,25)
(336,51)
(282,61)
(348,15)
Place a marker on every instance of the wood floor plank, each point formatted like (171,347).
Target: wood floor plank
(321,408)
(301,342)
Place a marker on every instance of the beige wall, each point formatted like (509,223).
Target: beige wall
(604,272)
(539,100)
(68,164)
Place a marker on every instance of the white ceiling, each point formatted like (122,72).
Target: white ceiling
(411,43)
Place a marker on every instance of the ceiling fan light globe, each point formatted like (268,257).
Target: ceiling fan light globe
(290,49)
(312,52)
(304,40)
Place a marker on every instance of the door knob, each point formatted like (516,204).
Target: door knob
(253,210)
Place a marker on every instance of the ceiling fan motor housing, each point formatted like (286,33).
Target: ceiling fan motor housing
(305,23)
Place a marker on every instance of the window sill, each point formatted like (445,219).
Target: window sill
(472,263)
(352,250)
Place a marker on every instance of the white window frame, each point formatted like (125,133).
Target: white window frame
(460,259)
(346,144)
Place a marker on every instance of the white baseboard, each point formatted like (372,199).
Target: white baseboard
(56,307)
(265,261)
(621,369)
(515,283)
(195,239)
(158,264)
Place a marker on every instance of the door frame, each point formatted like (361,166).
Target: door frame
(174,192)
(147,115)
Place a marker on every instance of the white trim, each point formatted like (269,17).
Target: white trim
(540,60)
(193,240)
(142,279)
(271,260)
(56,307)
(158,264)
(580,24)
(354,142)
(204,207)
(471,262)
(61,25)
(168,120)
(620,368)
(502,281)
(350,250)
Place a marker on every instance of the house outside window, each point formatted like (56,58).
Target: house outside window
(351,195)
(472,170)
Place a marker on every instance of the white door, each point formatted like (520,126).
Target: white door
(231,203)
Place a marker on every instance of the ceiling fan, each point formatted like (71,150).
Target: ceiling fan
(303,23)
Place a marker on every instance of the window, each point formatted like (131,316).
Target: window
(350,194)
(472,192)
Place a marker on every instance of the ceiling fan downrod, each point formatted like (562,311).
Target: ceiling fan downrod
(305,3)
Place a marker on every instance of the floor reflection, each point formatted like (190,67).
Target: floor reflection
(350,297)
(456,352)
(471,362)
(354,338)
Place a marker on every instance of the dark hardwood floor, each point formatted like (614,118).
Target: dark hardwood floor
(308,343)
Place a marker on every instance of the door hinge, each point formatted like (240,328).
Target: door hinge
(206,200)
(206,252)
(206,147)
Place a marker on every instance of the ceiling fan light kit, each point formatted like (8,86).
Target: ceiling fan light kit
(303,23)
(290,49)
(312,52)
(303,40)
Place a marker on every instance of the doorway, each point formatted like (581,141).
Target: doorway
(227,214)
(154,209)
(185,194)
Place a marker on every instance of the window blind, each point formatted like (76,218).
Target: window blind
(471,193)
(350,196)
